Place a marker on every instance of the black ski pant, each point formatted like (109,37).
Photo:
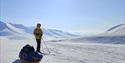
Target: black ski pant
(38,44)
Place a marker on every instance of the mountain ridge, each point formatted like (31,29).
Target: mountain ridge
(114,35)
(21,29)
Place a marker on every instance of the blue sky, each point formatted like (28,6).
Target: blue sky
(84,16)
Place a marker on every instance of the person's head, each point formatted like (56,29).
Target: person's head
(38,25)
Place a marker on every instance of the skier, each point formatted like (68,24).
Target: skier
(38,33)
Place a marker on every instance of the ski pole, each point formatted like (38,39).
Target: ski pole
(42,48)
(46,47)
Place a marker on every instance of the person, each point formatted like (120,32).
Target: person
(28,55)
(38,33)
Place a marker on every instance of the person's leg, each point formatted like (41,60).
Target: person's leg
(37,41)
(38,44)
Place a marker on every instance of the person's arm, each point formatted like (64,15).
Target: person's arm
(34,32)
(41,33)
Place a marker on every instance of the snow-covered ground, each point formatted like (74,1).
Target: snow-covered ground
(65,51)
(107,47)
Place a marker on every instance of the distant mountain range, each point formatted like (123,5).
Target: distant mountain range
(7,29)
(115,35)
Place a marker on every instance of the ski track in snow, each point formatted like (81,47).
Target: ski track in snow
(66,52)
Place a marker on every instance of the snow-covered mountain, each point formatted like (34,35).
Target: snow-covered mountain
(19,29)
(118,30)
(114,35)
(48,32)
(7,29)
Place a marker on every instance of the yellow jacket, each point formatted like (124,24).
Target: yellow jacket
(38,33)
